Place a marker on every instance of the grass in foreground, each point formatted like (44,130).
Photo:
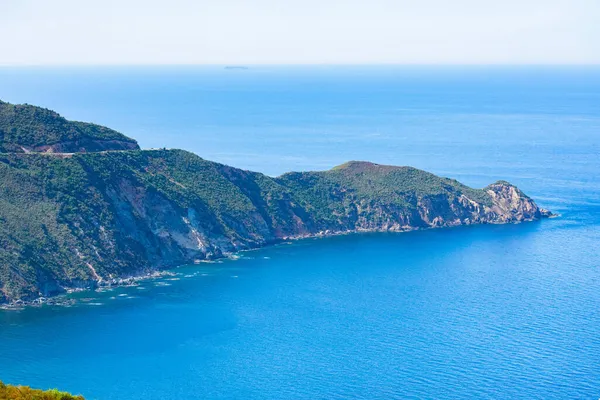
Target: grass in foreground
(10,392)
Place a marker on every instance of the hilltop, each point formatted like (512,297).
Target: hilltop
(25,128)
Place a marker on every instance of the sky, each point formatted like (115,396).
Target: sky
(153,32)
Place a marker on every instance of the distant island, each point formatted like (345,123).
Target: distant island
(82,206)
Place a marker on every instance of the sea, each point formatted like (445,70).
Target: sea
(480,312)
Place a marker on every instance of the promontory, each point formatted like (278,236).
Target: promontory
(81,205)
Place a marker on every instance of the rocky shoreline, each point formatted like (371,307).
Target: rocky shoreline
(64,300)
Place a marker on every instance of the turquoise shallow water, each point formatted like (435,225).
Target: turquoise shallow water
(477,312)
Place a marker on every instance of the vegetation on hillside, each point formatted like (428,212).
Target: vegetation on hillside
(328,192)
(66,219)
(24,125)
(10,392)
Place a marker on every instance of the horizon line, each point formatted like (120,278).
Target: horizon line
(241,64)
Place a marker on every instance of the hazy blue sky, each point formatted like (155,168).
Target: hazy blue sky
(299,31)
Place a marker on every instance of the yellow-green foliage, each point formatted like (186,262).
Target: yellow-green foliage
(10,392)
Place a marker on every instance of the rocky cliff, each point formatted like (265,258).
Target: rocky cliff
(87,219)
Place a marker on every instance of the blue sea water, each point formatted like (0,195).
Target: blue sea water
(497,312)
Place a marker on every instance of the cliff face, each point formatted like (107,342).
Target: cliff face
(88,219)
(510,204)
